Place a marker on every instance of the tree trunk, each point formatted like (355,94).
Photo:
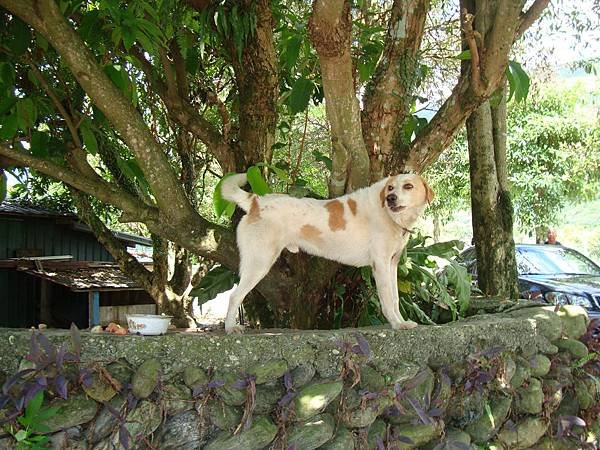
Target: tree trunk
(492,212)
(437,228)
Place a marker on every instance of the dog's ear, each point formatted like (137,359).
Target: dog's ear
(429,194)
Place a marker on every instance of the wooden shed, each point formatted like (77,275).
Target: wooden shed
(54,271)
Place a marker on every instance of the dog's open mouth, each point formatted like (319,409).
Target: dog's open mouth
(397,208)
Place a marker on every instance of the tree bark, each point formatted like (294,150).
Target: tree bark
(330,28)
(257,85)
(437,228)
(389,95)
(492,213)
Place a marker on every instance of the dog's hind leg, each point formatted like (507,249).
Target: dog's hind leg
(255,263)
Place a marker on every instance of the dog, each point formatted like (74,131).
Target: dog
(368,227)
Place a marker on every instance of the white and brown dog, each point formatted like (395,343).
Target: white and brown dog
(368,227)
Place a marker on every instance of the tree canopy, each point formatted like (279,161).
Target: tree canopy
(142,104)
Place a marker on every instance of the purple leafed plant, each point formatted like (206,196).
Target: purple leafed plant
(56,370)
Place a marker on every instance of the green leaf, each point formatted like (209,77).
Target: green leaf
(7,103)
(464,55)
(278,145)
(120,78)
(7,74)
(257,182)
(9,127)
(34,404)
(496,97)
(128,37)
(490,416)
(3,185)
(292,50)
(39,144)
(218,279)
(40,427)
(324,159)
(21,435)
(89,139)
(300,95)
(220,205)
(47,413)
(518,81)
(460,280)
(408,128)
(41,42)
(21,36)
(27,112)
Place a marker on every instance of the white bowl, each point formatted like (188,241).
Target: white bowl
(148,324)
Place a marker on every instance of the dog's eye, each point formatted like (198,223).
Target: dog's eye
(408,186)
(390,188)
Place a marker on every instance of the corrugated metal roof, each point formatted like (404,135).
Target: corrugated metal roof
(11,208)
(21,209)
(87,279)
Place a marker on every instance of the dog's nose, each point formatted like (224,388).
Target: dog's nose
(392,198)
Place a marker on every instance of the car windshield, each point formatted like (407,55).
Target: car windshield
(551,260)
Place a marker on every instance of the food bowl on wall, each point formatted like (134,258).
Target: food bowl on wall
(148,324)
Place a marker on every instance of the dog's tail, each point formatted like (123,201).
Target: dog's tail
(231,190)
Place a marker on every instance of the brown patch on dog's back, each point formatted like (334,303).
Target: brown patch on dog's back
(254,212)
(352,206)
(336,215)
(310,232)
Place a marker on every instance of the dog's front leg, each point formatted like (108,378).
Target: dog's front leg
(381,272)
(405,324)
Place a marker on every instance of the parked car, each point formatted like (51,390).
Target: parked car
(553,274)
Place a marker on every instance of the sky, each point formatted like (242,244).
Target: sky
(556,35)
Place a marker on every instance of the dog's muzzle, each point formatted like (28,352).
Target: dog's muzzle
(391,201)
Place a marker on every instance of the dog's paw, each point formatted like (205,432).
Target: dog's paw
(405,325)
(234,329)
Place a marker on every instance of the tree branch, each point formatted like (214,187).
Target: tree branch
(500,33)
(330,27)
(530,16)
(127,263)
(467,28)
(384,114)
(56,101)
(97,187)
(183,113)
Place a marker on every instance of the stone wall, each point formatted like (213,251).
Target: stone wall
(520,379)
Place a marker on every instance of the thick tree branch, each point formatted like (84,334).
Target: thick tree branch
(197,234)
(124,117)
(530,16)
(497,35)
(330,29)
(257,87)
(97,187)
(396,74)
